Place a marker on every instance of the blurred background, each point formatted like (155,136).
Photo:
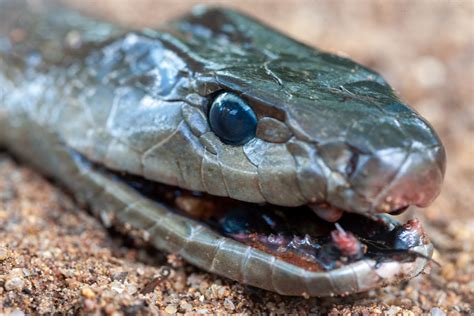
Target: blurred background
(424,48)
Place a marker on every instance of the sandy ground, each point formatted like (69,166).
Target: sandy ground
(56,258)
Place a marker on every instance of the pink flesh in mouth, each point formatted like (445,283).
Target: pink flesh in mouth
(327,213)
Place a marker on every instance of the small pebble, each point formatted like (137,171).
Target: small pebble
(120,276)
(186,306)
(393,311)
(429,72)
(463,260)
(14,283)
(448,271)
(435,311)
(228,304)
(89,305)
(117,287)
(110,309)
(3,253)
(87,293)
(171,309)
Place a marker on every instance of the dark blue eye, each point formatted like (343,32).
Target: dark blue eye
(232,120)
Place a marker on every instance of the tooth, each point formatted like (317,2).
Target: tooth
(347,243)
(327,213)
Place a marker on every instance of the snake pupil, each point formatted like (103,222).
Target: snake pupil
(232,119)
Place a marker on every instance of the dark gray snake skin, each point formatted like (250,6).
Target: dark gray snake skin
(329,130)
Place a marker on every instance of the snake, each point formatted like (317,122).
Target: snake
(249,154)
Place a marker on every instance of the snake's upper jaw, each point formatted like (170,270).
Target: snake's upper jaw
(393,180)
(382,168)
(388,181)
(417,181)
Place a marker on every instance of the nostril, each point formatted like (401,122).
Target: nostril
(352,164)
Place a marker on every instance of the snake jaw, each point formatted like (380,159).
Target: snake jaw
(301,236)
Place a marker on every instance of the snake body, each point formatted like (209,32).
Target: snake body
(77,93)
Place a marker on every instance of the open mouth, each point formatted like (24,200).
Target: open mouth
(295,235)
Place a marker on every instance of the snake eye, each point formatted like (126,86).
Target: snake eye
(232,119)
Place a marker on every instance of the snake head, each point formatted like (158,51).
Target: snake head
(328,130)
(342,149)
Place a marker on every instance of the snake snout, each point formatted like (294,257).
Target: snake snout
(416,181)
